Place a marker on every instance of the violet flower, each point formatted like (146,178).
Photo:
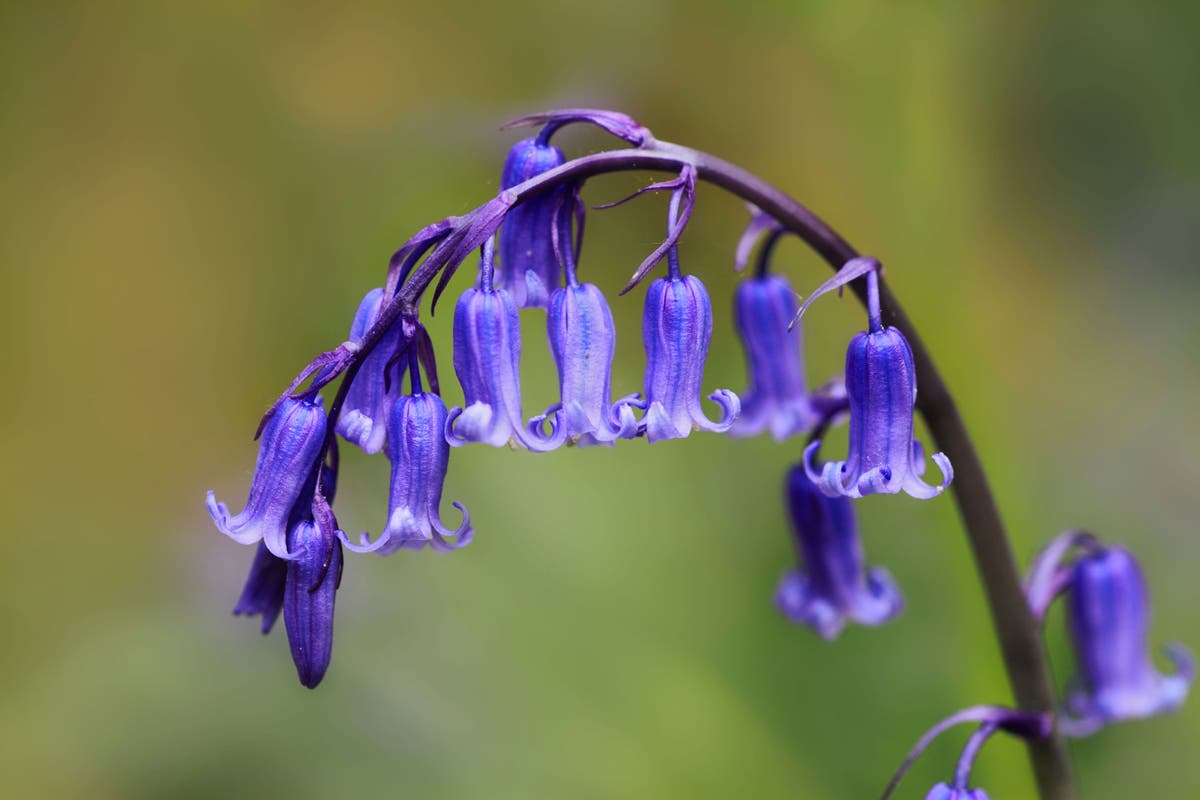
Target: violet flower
(834,585)
(776,397)
(1108,616)
(420,455)
(287,453)
(529,269)
(882,387)
(263,592)
(363,420)
(487,361)
(582,336)
(312,581)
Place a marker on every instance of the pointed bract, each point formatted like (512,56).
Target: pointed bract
(1108,616)
(676,329)
(312,579)
(834,586)
(529,268)
(287,454)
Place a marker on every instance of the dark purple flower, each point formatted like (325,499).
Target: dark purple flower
(1108,616)
(777,397)
(676,329)
(487,360)
(529,268)
(263,593)
(312,580)
(881,384)
(582,339)
(419,454)
(835,585)
(287,453)
(944,792)
(363,420)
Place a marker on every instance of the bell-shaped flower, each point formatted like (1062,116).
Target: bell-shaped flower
(1108,616)
(676,329)
(312,581)
(834,585)
(582,339)
(944,792)
(287,453)
(529,269)
(881,385)
(487,361)
(420,455)
(263,592)
(776,397)
(363,420)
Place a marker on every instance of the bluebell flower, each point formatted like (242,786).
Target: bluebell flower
(944,792)
(1108,616)
(287,454)
(419,454)
(676,329)
(263,592)
(881,384)
(363,420)
(582,336)
(834,585)
(776,397)
(312,581)
(529,269)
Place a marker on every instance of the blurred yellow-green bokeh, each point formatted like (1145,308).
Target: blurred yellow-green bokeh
(195,196)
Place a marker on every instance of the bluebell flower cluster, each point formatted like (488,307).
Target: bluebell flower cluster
(529,240)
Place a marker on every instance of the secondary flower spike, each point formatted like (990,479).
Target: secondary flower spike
(312,582)
(529,269)
(834,586)
(776,397)
(287,453)
(1108,616)
(364,414)
(487,360)
(881,384)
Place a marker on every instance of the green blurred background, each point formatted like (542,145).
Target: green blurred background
(195,197)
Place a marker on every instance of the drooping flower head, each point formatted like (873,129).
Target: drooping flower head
(529,269)
(834,585)
(312,581)
(676,331)
(881,384)
(419,454)
(287,455)
(363,420)
(1108,616)
(776,397)
(487,361)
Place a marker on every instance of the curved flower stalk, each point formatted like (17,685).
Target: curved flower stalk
(881,383)
(529,267)
(1108,616)
(487,360)
(287,454)
(835,586)
(776,397)
(1031,727)
(420,456)
(363,420)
